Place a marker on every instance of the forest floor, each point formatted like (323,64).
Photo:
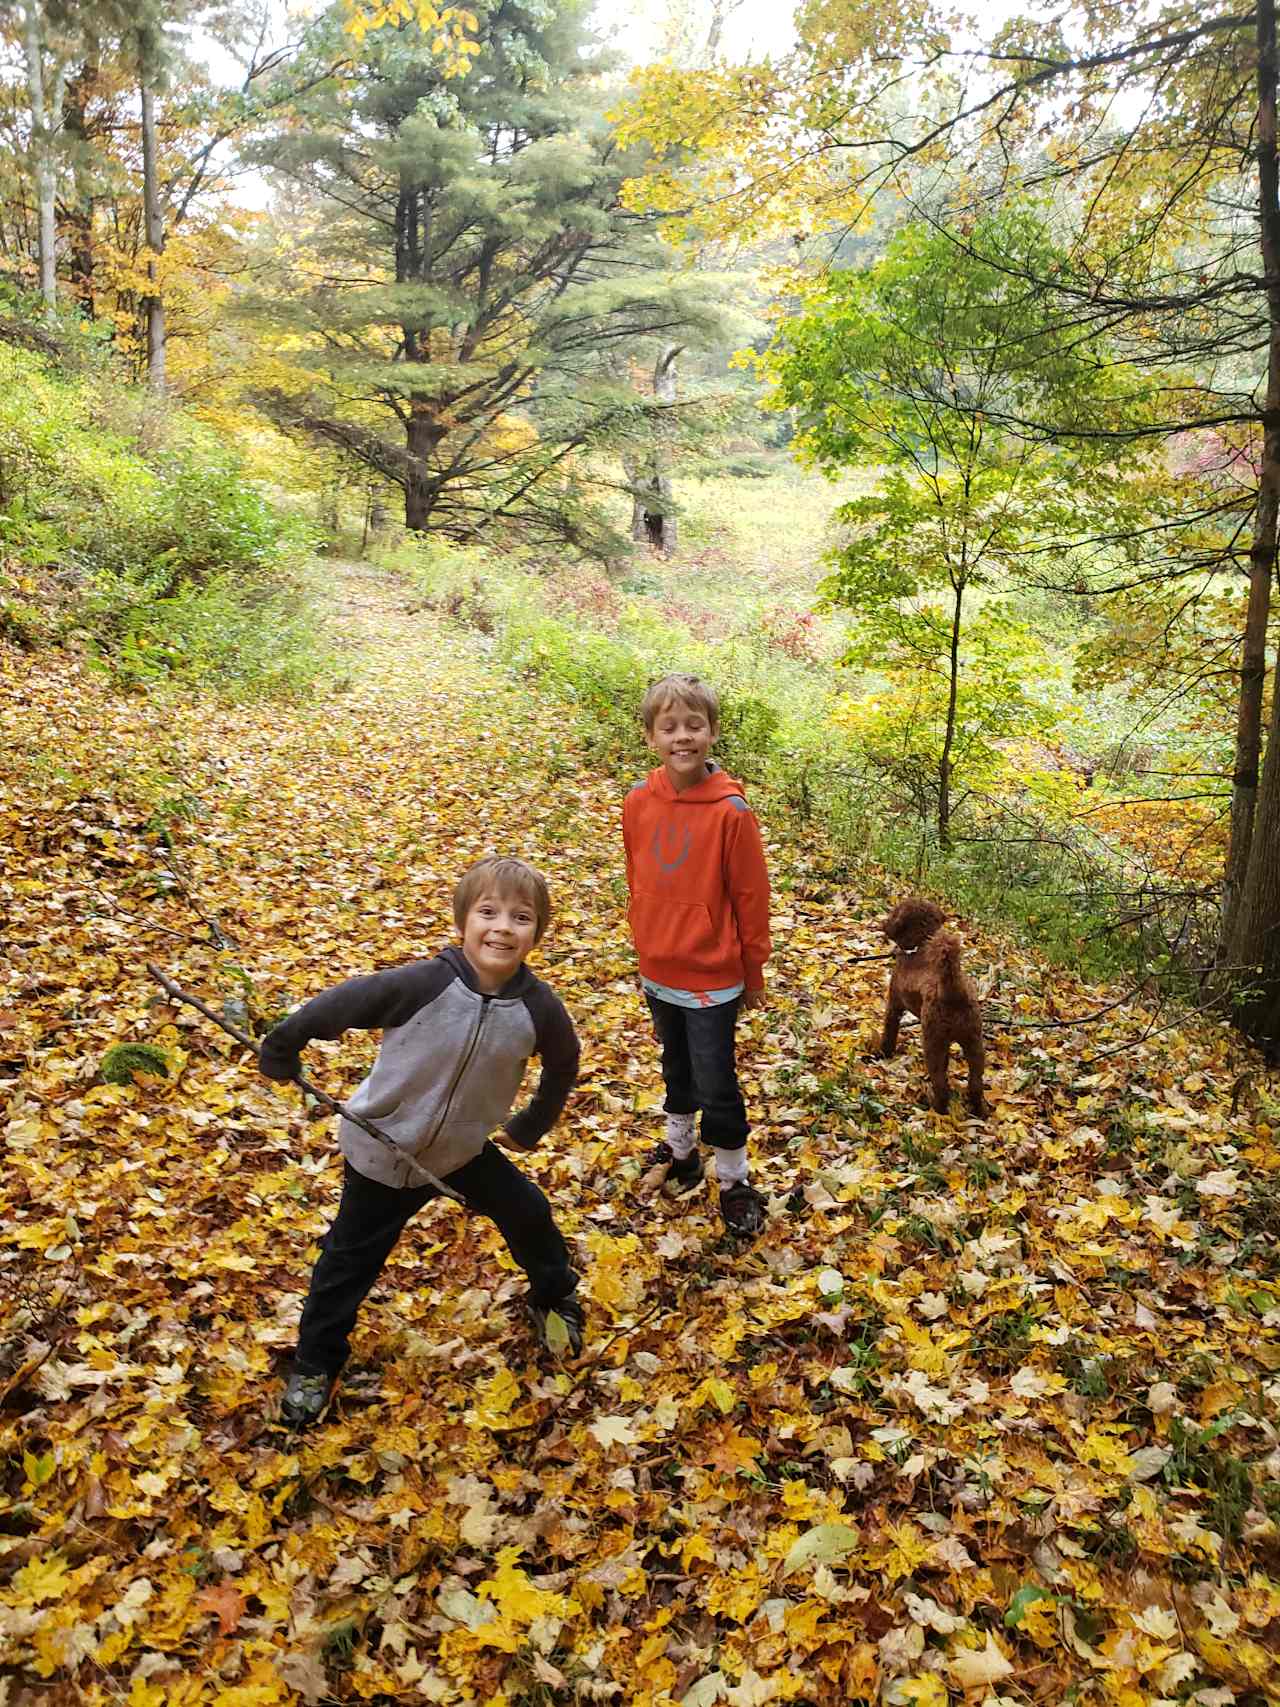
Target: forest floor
(988,1411)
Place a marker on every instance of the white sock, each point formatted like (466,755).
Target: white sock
(731,1166)
(682,1135)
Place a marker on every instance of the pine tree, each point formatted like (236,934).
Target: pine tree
(471,273)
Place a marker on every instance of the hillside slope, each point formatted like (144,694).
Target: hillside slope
(987,1411)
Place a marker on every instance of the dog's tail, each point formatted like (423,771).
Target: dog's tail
(945,953)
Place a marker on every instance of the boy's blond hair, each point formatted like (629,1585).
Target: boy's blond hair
(502,876)
(684,690)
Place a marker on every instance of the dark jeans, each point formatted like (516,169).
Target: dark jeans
(371,1218)
(699,1067)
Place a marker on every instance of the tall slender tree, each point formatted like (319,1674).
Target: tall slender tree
(46,71)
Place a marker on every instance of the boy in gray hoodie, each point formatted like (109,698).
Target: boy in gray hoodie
(458,1031)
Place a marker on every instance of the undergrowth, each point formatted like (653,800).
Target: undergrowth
(778,734)
(128,531)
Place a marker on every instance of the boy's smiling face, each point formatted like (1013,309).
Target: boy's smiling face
(681,737)
(497,936)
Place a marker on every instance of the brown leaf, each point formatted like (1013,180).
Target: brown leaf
(226,1603)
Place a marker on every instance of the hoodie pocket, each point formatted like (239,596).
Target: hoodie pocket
(680,932)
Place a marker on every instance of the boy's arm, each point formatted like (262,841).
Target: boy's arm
(557,1048)
(362,1004)
(748,883)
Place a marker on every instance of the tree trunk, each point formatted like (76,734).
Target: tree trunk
(948,739)
(79,217)
(1262,551)
(1254,952)
(45,100)
(1253,676)
(634,469)
(653,518)
(153,302)
(422,434)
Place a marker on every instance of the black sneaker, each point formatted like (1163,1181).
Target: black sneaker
(305,1396)
(741,1209)
(682,1176)
(573,1316)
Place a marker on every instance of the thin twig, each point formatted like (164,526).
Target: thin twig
(221,939)
(584,1374)
(425,1176)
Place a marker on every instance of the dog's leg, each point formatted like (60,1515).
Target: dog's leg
(976,1056)
(937,1047)
(893,1012)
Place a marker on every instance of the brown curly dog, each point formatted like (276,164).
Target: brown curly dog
(928,980)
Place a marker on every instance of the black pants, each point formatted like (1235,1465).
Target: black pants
(371,1218)
(699,1067)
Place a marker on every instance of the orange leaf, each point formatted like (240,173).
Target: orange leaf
(226,1603)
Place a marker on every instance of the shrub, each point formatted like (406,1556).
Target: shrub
(250,641)
(144,538)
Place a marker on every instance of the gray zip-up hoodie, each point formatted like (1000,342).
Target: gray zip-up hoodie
(451,1062)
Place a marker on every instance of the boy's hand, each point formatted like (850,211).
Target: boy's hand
(755,998)
(273,1065)
(503,1137)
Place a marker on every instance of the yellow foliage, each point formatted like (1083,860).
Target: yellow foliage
(451,30)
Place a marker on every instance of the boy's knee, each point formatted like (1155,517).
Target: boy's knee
(529,1212)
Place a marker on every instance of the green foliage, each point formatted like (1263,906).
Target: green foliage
(121,1062)
(225,632)
(745,465)
(147,544)
(923,365)
(1004,690)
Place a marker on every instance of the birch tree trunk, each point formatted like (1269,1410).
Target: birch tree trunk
(44,92)
(653,519)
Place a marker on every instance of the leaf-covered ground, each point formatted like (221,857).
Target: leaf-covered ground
(988,1412)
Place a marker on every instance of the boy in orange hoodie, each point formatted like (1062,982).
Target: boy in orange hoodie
(700,918)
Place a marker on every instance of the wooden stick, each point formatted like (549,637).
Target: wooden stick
(425,1176)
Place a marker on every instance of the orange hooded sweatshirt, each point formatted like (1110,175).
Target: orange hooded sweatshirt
(699,889)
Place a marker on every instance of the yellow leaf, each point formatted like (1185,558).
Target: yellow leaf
(40,1580)
(516,1598)
(39,1469)
(927,1690)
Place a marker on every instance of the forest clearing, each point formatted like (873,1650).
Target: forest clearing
(800,471)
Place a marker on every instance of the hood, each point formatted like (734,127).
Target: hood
(717,785)
(517,985)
